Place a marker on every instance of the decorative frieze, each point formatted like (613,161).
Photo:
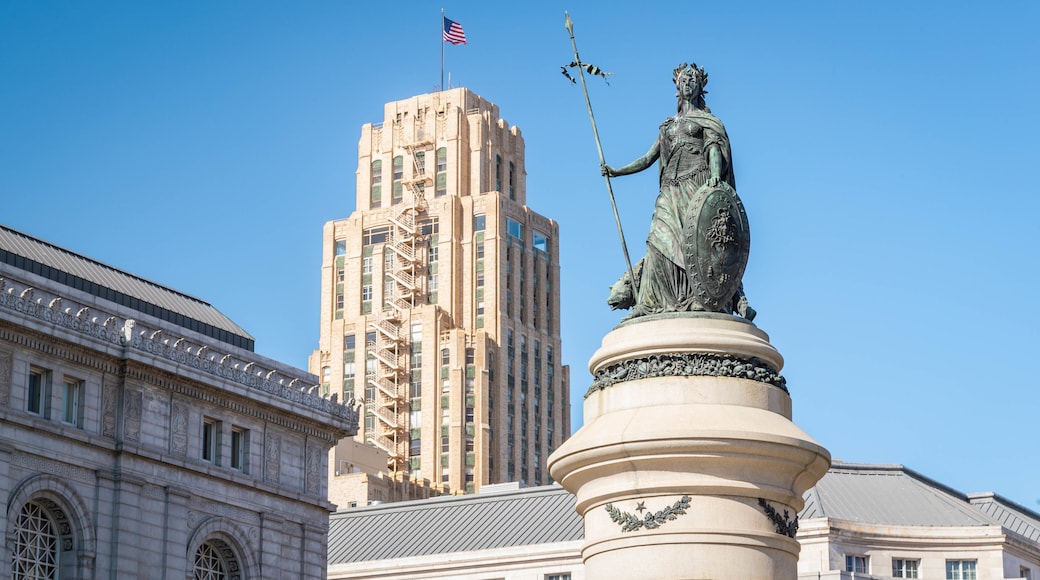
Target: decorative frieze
(687,364)
(38,464)
(179,428)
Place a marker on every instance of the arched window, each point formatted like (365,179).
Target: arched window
(215,560)
(35,544)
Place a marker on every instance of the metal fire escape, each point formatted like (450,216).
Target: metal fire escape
(391,326)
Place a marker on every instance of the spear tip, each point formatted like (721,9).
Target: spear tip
(569,24)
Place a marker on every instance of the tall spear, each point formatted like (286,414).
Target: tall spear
(610,190)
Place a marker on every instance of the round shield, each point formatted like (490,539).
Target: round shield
(716,242)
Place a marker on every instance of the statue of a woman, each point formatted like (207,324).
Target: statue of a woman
(698,243)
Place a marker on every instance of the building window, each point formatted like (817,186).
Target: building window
(366,292)
(71,402)
(341,247)
(240,449)
(442,172)
(512,181)
(376,197)
(420,163)
(539,241)
(35,544)
(39,391)
(903,568)
(210,440)
(479,223)
(515,229)
(960,570)
(215,560)
(373,236)
(855,563)
(564,576)
(498,173)
(1023,572)
(397,190)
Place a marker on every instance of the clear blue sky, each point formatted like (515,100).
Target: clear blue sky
(886,153)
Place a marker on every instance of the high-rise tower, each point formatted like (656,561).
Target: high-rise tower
(440,305)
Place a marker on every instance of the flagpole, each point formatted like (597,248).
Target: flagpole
(610,190)
(442,48)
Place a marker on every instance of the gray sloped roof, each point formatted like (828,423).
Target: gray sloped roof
(1014,517)
(531,516)
(64,266)
(888,494)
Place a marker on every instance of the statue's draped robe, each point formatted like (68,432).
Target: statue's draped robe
(683,144)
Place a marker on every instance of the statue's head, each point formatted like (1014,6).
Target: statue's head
(690,80)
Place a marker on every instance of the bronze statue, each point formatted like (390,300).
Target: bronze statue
(699,239)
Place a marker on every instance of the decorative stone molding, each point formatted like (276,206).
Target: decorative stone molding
(132,417)
(687,364)
(5,378)
(630,522)
(131,334)
(273,457)
(784,524)
(179,428)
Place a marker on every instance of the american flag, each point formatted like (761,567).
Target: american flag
(453,32)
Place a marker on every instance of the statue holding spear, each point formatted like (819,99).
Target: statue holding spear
(699,237)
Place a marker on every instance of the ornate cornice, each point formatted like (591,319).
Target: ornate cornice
(687,364)
(134,336)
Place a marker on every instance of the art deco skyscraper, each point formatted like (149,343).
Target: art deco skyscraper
(440,298)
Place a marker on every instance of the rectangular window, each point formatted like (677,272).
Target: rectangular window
(341,247)
(903,568)
(420,163)
(515,229)
(210,440)
(1023,572)
(39,391)
(71,402)
(377,235)
(855,563)
(960,570)
(512,181)
(498,173)
(397,191)
(442,172)
(479,223)
(366,292)
(539,241)
(240,449)
(377,184)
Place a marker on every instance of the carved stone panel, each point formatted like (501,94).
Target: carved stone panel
(179,428)
(109,395)
(273,457)
(5,378)
(132,418)
(312,476)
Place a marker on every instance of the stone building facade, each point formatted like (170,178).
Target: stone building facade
(440,305)
(143,438)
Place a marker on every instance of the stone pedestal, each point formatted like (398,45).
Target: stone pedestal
(688,465)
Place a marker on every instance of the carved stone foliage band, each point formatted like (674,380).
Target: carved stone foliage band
(630,522)
(784,524)
(687,364)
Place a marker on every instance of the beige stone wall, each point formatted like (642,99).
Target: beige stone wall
(484,174)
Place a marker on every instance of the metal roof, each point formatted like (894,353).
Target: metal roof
(854,492)
(64,266)
(888,494)
(1014,517)
(531,516)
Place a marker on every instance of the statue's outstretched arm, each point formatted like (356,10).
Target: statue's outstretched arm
(636,166)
